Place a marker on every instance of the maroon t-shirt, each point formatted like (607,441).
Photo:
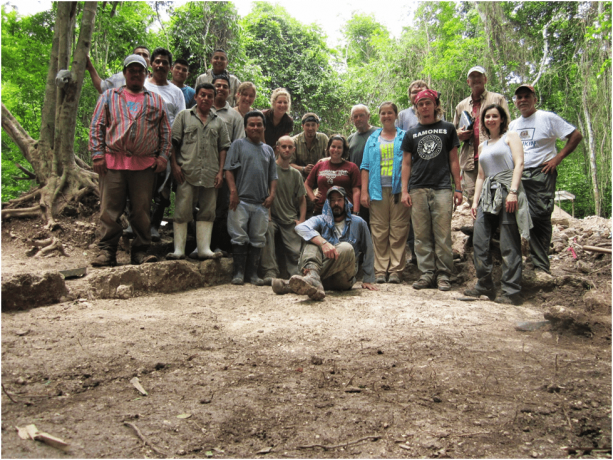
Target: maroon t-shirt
(326,174)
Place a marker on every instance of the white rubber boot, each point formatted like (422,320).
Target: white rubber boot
(204,230)
(180,237)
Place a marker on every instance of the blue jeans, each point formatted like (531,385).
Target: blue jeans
(248,224)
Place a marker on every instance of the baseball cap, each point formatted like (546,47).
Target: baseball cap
(476,68)
(135,59)
(337,189)
(530,87)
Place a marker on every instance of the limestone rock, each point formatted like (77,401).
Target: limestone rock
(217,271)
(28,290)
(597,301)
(563,318)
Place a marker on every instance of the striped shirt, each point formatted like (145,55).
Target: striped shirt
(114,130)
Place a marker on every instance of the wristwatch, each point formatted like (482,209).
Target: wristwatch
(513,190)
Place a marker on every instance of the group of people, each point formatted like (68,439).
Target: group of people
(303,213)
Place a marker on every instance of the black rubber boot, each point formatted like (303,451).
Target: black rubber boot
(157,214)
(239,254)
(253,263)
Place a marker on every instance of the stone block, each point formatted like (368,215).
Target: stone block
(28,290)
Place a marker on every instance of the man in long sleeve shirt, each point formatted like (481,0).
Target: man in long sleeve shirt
(130,141)
(329,259)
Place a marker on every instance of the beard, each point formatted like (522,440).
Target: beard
(337,211)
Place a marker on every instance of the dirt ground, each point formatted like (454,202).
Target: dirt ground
(240,372)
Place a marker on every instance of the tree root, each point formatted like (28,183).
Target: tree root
(22,199)
(48,245)
(34,211)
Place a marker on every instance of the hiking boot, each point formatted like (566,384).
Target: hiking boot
(310,285)
(542,276)
(105,259)
(422,283)
(280,286)
(394,279)
(510,299)
(268,278)
(474,292)
(141,257)
(380,279)
(443,285)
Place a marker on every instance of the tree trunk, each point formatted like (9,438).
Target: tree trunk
(589,131)
(52,157)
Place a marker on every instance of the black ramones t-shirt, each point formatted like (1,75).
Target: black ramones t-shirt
(429,147)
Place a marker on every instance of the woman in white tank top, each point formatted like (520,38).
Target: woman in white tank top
(501,163)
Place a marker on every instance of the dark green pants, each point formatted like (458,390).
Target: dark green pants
(540,189)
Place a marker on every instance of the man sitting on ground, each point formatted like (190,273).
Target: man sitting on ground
(329,259)
(289,203)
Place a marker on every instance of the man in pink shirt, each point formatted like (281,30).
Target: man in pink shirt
(130,141)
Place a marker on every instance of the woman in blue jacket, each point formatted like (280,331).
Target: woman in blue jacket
(381,192)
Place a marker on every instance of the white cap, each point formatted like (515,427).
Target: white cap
(135,58)
(476,68)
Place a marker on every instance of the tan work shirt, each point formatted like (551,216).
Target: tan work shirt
(303,155)
(198,146)
(467,153)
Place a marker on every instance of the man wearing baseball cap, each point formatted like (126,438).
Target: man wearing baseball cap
(538,131)
(329,259)
(472,138)
(130,141)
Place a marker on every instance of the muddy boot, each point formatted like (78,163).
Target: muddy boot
(474,292)
(253,263)
(106,258)
(280,286)
(309,284)
(239,254)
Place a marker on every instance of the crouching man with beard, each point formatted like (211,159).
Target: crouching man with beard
(329,259)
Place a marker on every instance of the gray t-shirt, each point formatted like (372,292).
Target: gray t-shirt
(357,142)
(496,158)
(290,187)
(254,169)
(172,95)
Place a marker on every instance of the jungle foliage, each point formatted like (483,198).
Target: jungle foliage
(562,47)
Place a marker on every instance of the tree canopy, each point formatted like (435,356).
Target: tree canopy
(564,48)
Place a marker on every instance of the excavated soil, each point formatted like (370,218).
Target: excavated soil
(236,371)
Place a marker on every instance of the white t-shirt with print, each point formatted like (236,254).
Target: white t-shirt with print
(172,95)
(539,133)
